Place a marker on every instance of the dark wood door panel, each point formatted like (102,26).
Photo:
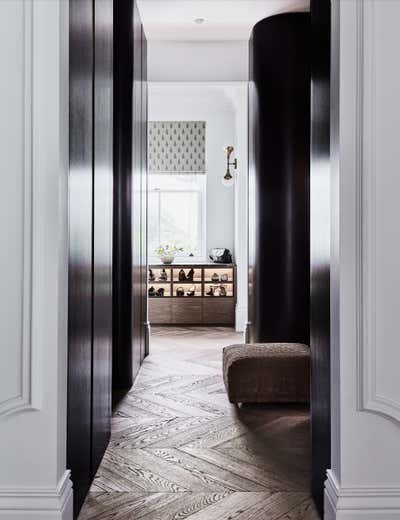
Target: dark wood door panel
(102,228)
(137,225)
(130,186)
(80,248)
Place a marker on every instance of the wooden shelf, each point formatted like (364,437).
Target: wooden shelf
(200,309)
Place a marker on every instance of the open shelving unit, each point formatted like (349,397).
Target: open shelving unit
(208,297)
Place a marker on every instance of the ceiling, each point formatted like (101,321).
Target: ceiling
(224,19)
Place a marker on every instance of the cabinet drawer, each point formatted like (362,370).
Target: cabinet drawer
(186,310)
(160,311)
(219,311)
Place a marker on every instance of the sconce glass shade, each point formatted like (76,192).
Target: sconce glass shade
(228,180)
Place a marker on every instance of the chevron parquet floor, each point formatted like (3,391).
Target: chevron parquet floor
(179,450)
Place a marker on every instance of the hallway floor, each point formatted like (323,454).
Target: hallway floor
(180,450)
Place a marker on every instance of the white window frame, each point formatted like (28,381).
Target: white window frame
(203,221)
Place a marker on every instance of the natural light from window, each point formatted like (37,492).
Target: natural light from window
(176,214)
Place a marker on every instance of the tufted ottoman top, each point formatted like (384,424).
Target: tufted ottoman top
(267,372)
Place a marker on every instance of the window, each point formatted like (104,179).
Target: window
(177,214)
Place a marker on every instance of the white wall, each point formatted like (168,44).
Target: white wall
(364,481)
(34,484)
(198,61)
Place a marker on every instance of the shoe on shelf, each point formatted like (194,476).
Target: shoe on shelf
(210,291)
(182,276)
(180,291)
(151,275)
(224,277)
(152,291)
(160,292)
(222,291)
(163,276)
(190,275)
(215,277)
(191,291)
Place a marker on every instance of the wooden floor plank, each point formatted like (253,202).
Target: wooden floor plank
(179,450)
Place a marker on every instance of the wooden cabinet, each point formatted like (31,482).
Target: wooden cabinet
(184,294)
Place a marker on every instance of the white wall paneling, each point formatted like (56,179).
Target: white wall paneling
(34,483)
(16,207)
(364,480)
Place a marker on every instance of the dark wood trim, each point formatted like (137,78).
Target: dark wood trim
(320,248)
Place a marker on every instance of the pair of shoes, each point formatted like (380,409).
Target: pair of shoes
(151,275)
(180,291)
(222,290)
(210,291)
(186,278)
(159,292)
(163,276)
(215,277)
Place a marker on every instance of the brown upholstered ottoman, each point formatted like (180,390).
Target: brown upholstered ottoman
(267,373)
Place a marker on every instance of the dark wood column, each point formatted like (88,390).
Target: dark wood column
(279,145)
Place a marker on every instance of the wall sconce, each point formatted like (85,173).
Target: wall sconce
(228,179)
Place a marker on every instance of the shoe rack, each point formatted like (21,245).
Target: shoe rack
(202,294)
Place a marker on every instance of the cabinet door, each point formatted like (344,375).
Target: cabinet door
(102,229)
(80,248)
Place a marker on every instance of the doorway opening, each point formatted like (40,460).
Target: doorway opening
(181,444)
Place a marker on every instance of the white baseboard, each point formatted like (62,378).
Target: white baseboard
(240,318)
(38,503)
(357,503)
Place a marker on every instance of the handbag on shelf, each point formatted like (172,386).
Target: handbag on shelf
(220,255)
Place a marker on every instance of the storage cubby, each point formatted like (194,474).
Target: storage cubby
(207,299)
(218,290)
(190,275)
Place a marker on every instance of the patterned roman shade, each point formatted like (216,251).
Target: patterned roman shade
(177,147)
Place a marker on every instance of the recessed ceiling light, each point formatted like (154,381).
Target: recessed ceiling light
(199,20)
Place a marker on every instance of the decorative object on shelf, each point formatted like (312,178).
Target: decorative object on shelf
(222,290)
(151,275)
(152,291)
(224,277)
(160,292)
(220,255)
(182,276)
(228,179)
(210,291)
(180,291)
(215,277)
(166,253)
(163,275)
(190,275)
(191,291)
